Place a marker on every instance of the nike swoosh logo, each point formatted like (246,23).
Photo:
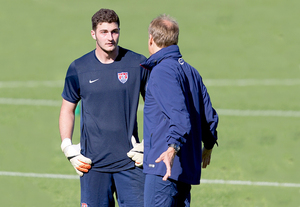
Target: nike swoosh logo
(92,81)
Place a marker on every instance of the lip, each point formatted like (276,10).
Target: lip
(110,44)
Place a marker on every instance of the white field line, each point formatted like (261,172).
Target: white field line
(206,181)
(29,102)
(236,112)
(276,113)
(221,112)
(208,82)
(239,182)
(251,82)
(31,84)
(38,175)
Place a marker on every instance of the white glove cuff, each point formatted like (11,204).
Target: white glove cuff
(66,142)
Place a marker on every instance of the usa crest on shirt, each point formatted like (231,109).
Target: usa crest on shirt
(123,77)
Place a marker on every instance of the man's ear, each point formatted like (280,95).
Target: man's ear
(151,41)
(93,33)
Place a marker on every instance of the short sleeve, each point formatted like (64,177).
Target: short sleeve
(71,90)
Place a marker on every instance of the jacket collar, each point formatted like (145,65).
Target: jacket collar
(164,53)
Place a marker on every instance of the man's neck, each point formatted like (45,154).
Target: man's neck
(106,57)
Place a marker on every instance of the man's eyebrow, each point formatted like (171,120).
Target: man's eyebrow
(117,29)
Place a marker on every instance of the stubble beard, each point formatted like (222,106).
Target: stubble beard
(111,51)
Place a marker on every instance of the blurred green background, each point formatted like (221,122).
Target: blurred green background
(251,44)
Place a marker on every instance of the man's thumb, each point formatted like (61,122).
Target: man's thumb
(158,159)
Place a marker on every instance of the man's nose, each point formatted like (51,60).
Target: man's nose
(110,36)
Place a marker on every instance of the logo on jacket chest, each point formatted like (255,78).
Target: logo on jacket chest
(123,77)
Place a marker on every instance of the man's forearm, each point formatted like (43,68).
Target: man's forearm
(66,119)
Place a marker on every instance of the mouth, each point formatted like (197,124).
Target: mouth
(110,44)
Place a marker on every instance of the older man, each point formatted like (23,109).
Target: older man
(178,117)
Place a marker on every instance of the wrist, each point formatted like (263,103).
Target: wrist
(69,149)
(176,147)
(65,143)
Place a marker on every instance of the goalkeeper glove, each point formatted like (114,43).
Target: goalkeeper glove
(81,163)
(137,152)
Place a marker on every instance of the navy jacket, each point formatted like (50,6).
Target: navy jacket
(177,110)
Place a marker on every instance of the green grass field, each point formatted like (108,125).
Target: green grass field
(247,52)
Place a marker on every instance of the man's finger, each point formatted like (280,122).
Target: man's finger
(167,175)
(84,167)
(79,172)
(205,162)
(158,160)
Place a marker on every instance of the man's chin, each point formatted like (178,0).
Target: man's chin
(109,49)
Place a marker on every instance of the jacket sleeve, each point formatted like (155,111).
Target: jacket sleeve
(210,120)
(167,92)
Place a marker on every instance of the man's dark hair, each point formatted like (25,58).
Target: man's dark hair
(104,15)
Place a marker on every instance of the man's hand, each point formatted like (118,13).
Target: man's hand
(80,163)
(206,156)
(137,152)
(167,157)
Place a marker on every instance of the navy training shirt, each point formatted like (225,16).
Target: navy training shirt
(109,95)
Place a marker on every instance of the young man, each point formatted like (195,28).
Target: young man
(108,81)
(178,115)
